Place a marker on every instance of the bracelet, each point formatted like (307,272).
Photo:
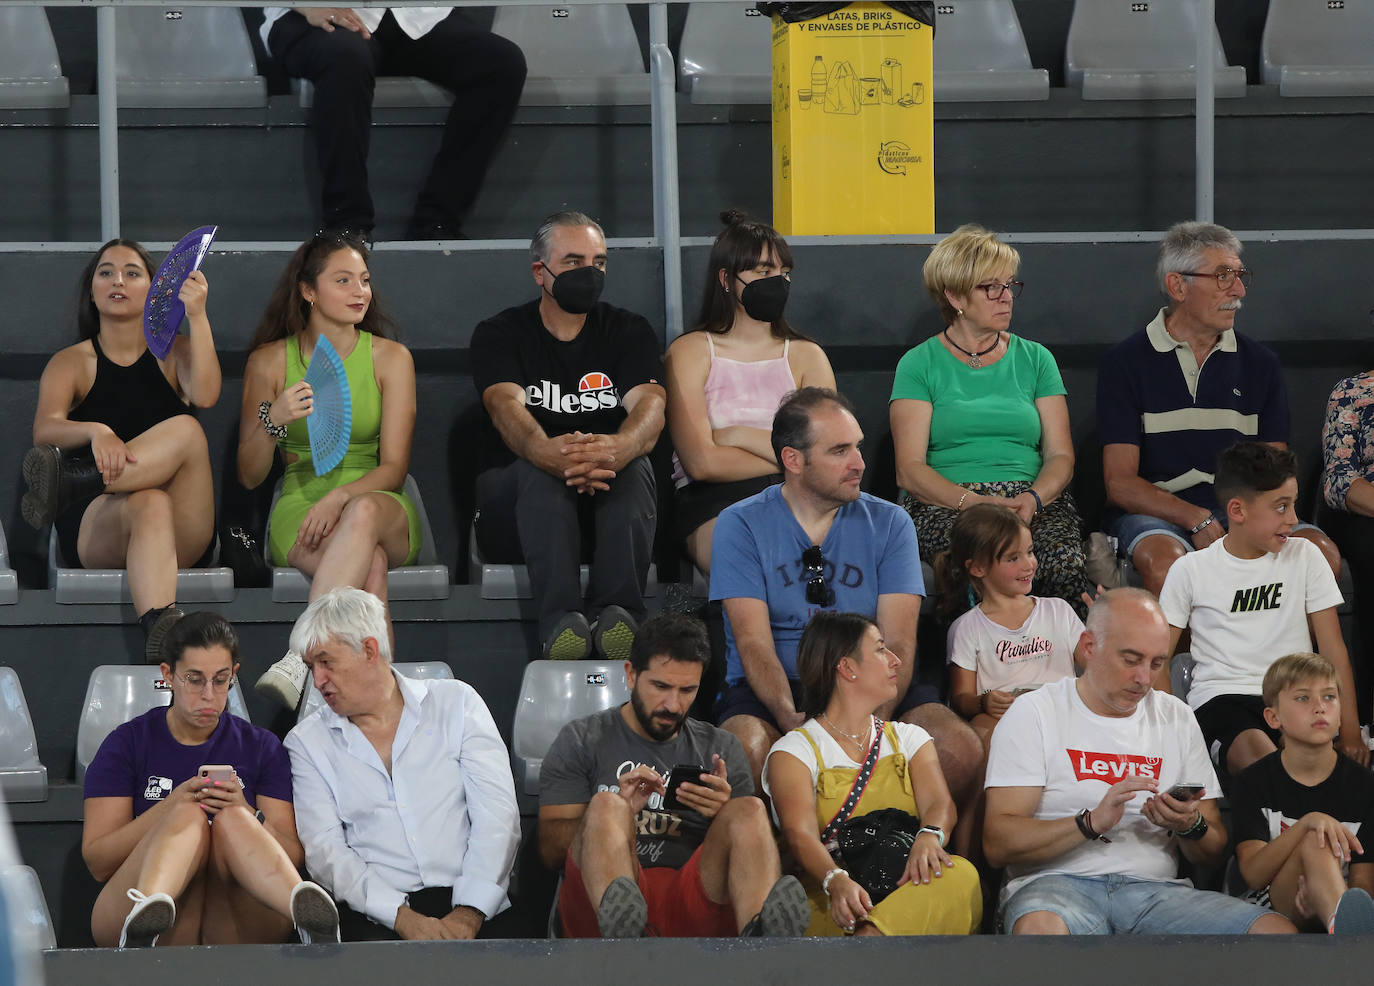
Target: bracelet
(1085,825)
(1195,831)
(1039,503)
(961,501)
(1194,530)
(830,875)
(265,416)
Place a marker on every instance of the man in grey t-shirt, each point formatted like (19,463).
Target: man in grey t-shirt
(697,862)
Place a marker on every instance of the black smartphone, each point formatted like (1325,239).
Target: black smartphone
(683,772)
(1185,792)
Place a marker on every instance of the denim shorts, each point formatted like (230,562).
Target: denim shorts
(1130,529)
(1126,905)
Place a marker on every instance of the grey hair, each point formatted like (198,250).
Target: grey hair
(539,246)
(1185,243)
(344,614)
(1100,615)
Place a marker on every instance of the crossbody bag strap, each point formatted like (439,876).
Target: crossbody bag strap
(856,791)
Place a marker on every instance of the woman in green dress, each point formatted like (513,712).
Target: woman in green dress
(350,525)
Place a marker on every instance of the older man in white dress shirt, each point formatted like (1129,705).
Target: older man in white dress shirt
(342,51)
(403,792)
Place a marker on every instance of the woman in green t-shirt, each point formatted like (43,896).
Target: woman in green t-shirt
(978,415)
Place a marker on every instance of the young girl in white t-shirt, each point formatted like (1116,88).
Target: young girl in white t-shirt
(1010,642)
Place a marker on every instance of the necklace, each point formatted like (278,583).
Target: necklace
(975,360)
(857,740)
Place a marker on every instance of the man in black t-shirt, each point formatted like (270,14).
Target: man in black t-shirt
(697,861)
(571,389)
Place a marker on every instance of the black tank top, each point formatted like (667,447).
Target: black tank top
(129,399)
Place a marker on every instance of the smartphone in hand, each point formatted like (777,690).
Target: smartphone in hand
(689,773)
(221,773)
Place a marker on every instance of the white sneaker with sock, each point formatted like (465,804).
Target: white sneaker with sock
(151,916)
(314,913)
(284,681)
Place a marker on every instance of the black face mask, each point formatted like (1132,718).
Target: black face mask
(765,298)
(577,290)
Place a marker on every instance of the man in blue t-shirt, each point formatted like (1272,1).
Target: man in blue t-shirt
(1172,397)
(816,542)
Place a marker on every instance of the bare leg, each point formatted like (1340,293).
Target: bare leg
(757,737)
(698,545)
(739,859)
(1245,749)
(1153,557)
(604,847)
(250,880)
(133,531)
(1321,874)
(345,556)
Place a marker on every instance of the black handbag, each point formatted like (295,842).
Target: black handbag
(239,550)
(873,848)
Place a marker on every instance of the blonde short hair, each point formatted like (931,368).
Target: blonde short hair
(1288,671)
(964,259)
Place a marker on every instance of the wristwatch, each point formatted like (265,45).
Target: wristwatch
(262,819)
(936,831)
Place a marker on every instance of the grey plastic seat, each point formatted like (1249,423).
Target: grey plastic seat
(1125,49)
(27,907)
(426,579)
(553,694)
(9,579)
(419,670)
(389,91)
(980,54)
(501,580)
(1319,48)
(117,693)
(726,54)
(30,74)
(1181,674)
(111,585)
(22,776)
(185,57)
(578,56)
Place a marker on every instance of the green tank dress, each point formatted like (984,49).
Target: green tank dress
(301,489)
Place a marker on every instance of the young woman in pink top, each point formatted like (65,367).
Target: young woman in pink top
(727,375)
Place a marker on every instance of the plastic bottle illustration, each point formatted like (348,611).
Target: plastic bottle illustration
(819,75)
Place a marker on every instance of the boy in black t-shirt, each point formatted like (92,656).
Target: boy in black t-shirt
(1299,812)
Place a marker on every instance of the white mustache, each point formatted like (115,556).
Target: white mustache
(1230,306)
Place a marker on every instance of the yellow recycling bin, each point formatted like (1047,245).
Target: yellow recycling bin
(853,131)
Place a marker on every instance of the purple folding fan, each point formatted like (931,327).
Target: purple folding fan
(164,311)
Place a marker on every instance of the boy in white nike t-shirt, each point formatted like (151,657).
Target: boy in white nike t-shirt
(1248,599)
(1084,807)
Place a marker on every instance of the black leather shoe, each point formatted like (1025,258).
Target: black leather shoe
(56,480)
(433,230)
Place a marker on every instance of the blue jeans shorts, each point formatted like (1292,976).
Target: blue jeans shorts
(1132,528)
(1126,905)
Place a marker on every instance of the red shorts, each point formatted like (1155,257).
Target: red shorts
(678,905)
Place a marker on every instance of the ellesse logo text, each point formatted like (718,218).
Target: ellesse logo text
(1112,767)
(595,392)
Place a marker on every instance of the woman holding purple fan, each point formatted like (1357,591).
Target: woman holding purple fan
(348,526)
(120,465)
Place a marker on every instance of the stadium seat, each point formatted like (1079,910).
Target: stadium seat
(117,693)
(185,57)
(726,54)
(1120,49)
(22,777)
(1181,674)
(30,74)
(552,694)
(501,580)
(111,585)
(1319,47)
(426,579)
(27,907)
(980,54)
(390,91)
(419,670)
(585,55)
(9,580)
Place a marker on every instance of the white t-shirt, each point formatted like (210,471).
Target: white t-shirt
(910,738)
(1245,613)
(1050,739)
(1037,652)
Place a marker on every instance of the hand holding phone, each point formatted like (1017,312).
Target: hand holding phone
(218,773)
(689,773)
(1185,792)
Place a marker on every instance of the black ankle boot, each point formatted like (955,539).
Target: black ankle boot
(156,623)
(56,480)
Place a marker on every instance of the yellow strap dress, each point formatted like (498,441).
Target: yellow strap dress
(301,489)
(951,904)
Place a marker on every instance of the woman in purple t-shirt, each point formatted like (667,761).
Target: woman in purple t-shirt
(192,859)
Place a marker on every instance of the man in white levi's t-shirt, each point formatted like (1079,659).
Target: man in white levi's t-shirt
(1083,806)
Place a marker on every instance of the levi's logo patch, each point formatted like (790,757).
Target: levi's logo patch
(1112,767)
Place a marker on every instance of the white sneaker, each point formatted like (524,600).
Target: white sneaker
(284,681)
(314,914)
(152,915)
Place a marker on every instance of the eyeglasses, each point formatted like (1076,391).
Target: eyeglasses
(196,681)
(1224,276)
(995,289)
(818,591)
